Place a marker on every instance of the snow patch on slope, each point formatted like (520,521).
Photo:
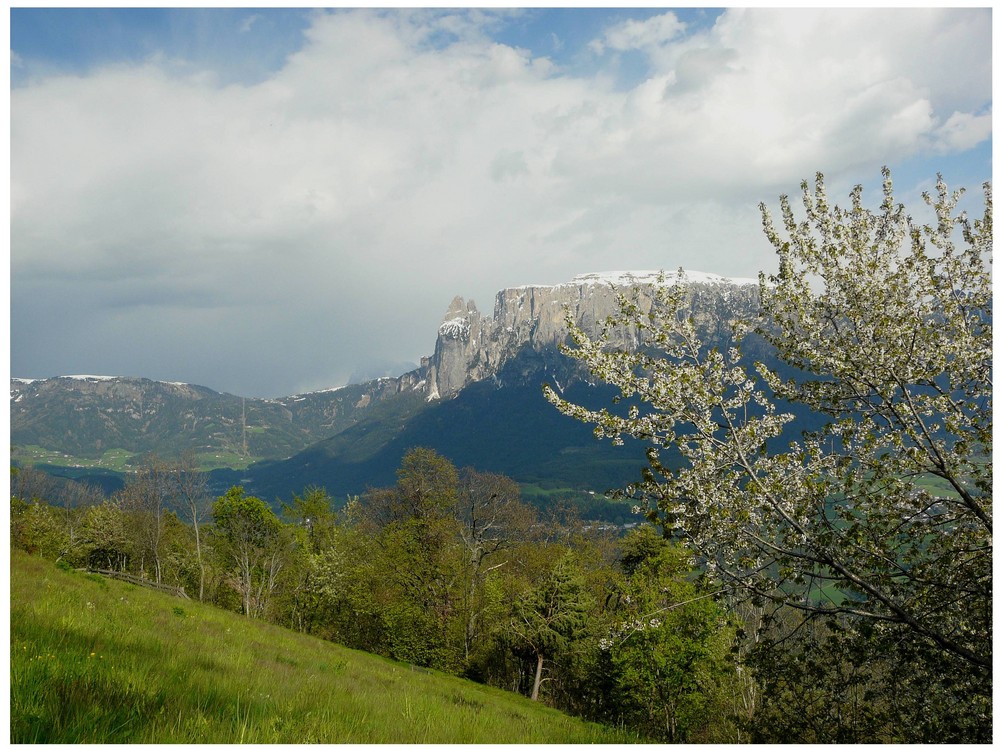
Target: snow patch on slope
(455,328)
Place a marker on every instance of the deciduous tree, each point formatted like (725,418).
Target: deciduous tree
(883,516)
(190,496)
(145,497)
(249,539)
(493,520)
(668,644)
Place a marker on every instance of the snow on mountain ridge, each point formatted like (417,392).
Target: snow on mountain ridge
(27,381)
(472,347)
(626,278)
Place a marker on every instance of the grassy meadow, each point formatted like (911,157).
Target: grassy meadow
(95,660)
(115,459)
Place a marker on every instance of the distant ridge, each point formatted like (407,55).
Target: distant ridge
(349,436)
(453,323)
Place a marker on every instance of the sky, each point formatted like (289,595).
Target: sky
(269,202)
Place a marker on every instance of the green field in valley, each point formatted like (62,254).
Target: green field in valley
(115,459)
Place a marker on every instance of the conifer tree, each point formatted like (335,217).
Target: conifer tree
(550,616)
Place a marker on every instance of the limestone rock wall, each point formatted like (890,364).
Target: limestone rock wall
(471,347)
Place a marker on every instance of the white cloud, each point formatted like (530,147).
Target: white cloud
(638,35)
(327,215)
(247,23)
(964,130)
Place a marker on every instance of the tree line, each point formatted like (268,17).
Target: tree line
(447,570)
(450,570)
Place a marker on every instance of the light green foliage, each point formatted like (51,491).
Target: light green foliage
(442,570)
(493,522)
(316,568)
(427,485)
(106,537)
(47,514)
(314,512)
(240,517)
(35,526)
(391,581)
(417,540)
(888,326)
(250,543)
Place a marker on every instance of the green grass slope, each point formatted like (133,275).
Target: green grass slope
(101,661)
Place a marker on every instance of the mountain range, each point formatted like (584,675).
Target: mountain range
(476,399)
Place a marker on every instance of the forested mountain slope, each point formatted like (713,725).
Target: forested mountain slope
(476,399)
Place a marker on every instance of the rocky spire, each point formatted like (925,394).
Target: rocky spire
(471,347)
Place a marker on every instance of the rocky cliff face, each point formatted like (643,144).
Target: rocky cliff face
(87,415)
(472,347)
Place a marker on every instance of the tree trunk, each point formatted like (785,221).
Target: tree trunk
(470,622)
(538,678)
(201,564)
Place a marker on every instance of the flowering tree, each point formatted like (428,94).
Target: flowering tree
(885,514)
